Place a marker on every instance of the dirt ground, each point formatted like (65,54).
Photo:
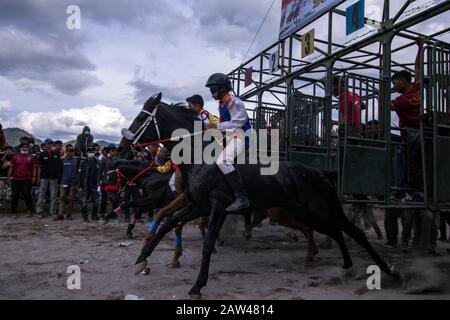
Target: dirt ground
(35,254)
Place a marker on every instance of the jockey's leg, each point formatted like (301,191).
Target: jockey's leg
(225,163)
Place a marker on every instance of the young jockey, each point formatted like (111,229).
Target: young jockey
(233,116)
(196,103)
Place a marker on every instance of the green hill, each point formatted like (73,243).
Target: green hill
(13,136)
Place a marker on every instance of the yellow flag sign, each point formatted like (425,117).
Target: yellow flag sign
(308,44)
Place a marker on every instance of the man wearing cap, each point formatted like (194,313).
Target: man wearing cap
(49,171)
(69,182)
(106,165)
(196,103)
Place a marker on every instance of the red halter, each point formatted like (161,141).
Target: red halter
(129,182)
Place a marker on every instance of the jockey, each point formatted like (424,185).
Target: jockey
(196,103)
(233,116)
(163,164)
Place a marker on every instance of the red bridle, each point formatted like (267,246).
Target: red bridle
(130,182)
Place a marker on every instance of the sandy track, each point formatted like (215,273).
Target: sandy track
(35,254)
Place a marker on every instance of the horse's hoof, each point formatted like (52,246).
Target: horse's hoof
(140,267)
(220,243)
(195,296)
(247,235)
(130,236)
(174,264)
(146,272)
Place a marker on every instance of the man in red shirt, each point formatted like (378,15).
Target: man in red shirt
(23,174)
(407,105)
(353,102)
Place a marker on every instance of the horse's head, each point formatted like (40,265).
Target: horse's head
(123,171)
(140,128)
(157,120)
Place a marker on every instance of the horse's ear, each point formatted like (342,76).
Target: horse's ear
(153,101)
(158,98)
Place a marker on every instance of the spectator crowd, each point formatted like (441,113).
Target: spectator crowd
(49,178)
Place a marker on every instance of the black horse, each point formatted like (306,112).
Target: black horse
(303,191)
(156,195)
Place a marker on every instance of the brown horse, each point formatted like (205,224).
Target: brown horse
(285,218)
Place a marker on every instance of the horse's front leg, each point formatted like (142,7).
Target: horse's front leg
(143,203)
(259,216)
(216,220)
(178,203)
(183,216)
(312,248)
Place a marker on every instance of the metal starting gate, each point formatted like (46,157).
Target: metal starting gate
(319,128)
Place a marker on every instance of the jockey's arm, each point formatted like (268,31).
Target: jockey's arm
(238,117)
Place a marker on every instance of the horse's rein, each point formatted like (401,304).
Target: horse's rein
(143,145)
(152,117)
(129,182)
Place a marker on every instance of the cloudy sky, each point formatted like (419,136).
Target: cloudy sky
(53,80)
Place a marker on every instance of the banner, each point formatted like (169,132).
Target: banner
(296,14)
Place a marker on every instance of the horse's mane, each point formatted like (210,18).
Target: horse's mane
(181,110)
(131,163)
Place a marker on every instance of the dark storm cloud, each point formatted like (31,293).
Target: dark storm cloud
(37,48)
(172,93)
(25,56)
(234,25)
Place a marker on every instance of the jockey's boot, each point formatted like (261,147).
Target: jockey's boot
(241,201)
